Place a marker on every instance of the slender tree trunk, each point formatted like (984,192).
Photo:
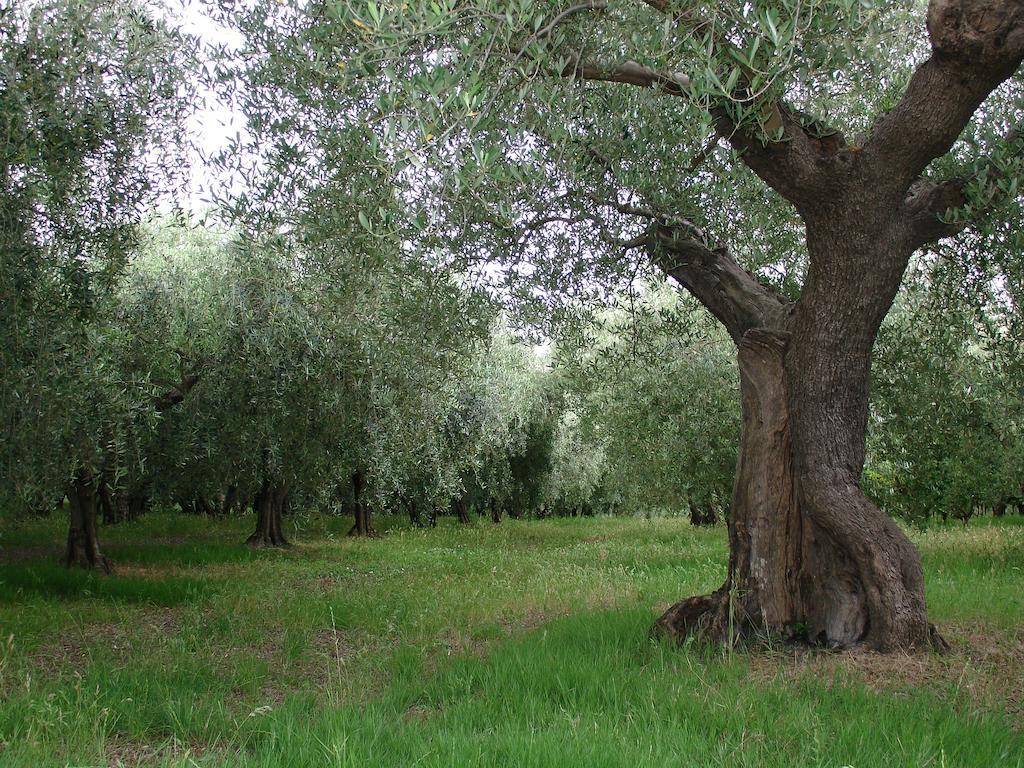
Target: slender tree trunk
(107,504)
(230,500)
(123,505)
(138,502)
(702,513)
(495,511)
(360,509)
(461,509)
(269,504)
(202,507)
(83,548)
(415,518)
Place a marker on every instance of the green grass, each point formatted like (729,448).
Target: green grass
(523,644)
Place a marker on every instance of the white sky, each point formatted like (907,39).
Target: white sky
(215,122)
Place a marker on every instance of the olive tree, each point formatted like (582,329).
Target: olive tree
(92,108)
(945,434)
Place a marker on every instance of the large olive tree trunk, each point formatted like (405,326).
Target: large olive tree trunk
(83,547)
(811,557)
(269,504)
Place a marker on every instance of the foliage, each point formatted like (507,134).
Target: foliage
(948,426)
(656,397)
(93,101)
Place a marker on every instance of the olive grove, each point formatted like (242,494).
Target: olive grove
(757,263)
(781,162)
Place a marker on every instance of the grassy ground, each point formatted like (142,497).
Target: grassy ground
(522,644)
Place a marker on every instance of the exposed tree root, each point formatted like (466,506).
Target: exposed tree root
(711,620)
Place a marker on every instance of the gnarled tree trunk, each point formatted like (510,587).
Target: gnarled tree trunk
(83,548)
(269,504)
(811,557)
(360,509)
(761,592)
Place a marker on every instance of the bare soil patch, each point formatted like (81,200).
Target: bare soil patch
(984,672)
(73,650)
(122,752)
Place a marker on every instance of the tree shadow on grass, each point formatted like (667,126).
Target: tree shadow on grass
(52,580)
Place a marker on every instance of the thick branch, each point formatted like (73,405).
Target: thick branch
(790,165)
(717,281)
(176,394)
(976,45)
(628,73)
(797,165)
(928,203)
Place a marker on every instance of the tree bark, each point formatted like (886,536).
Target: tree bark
(230,500)
(269,504)
(415,518)
(138,502)
(83,548)
(202,507)
(761,594)
(702,513)
(360,509)
(461,508)
(106,502)
(811,558)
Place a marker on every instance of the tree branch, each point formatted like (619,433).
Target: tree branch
(175,394)
(976,45)
(928,202)
(179,391)
(716,280)
(790,165)
(798,165)
(629,73)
